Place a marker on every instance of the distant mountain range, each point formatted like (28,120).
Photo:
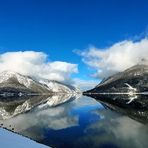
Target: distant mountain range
(19,93)
(12,83)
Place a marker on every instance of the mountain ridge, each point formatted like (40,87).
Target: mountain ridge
(13,82)
(133,77)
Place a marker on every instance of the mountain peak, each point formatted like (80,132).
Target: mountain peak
(11,79)
(136,77)
(9,72)
(138,67)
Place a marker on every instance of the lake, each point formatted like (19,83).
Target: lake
(80,122)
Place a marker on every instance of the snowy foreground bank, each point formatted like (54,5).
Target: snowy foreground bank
(12,140)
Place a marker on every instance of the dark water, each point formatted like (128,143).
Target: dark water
(82,122)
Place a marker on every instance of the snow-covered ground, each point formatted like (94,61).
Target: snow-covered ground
(12,140)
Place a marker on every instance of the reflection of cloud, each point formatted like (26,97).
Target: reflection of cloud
(35,64)
(86,101)
(62,123)
(32,123)
(117,57)
(58,117)
(44,116)
(119,130)
(126,128)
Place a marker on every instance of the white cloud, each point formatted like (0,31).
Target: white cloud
(36,64)
(85,84)
(116,58)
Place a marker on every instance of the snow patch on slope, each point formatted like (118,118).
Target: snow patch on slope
(24,80)
(52,86)
(59,87)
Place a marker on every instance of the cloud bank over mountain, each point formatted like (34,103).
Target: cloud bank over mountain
(116,58)
(36,64)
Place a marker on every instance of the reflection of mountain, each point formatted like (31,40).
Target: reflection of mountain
(134,79)
(60,98)
(17,105)
(137,110)
(35,123)
(125,92)
(19,93)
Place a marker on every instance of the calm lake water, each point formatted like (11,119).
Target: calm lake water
(79,123)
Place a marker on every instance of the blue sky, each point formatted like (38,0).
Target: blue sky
(57,27)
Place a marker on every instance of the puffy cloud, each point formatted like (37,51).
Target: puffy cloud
(36,64)
(117,57)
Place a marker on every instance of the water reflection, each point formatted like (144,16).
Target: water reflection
(83,122)
(136,107)
(14,105)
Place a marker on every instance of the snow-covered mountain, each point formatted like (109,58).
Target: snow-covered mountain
(19,93)
(134,79)
(125,89)
(58,87)
(15,83)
